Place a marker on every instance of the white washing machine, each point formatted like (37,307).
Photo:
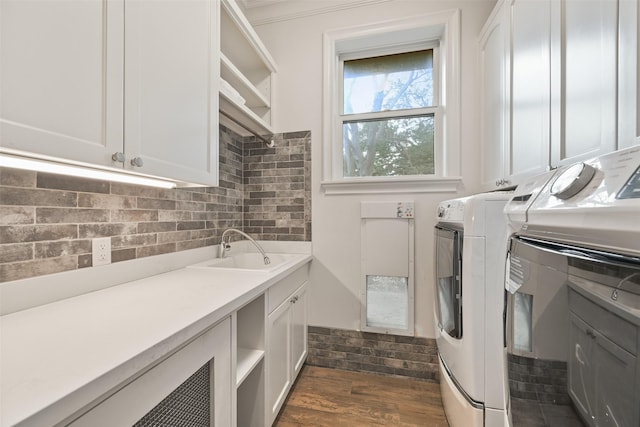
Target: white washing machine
(573,297)
(470,247)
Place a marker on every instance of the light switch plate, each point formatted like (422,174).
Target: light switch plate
(405,210)
(101,251)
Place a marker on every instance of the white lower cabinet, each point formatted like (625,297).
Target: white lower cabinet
(299,329)
(287,344)
(208,355)
(242,368)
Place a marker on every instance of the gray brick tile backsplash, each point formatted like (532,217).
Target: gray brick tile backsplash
(123,254)
(47,221)
(371,352)
(164,248)
(17,196)
(72,183)
(62,248)
(34,233)
(17,178)
(90,231)
(108,201)
(70,215)
(15,253)
(37,267)
(17,215)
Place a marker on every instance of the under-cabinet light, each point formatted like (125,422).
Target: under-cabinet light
(17,162)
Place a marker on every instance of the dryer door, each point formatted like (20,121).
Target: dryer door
(448,268)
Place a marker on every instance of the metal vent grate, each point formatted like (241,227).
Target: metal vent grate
(189,405)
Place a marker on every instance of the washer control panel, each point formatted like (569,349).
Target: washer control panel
(572,180)
(607,180)
(631,189)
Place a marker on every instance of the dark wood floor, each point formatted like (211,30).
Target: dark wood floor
(336,398)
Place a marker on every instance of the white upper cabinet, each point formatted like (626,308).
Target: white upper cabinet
(247,72)
(171,103)
(80,87)
(530,87)
(61,78)
(587,36)
(572,85)
(628,75)
(494,108)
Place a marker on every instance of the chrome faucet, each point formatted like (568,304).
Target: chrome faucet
(225,246)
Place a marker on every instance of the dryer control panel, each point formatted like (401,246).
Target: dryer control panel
(451,210)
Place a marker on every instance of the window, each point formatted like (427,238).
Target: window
(388,114)
(391,106)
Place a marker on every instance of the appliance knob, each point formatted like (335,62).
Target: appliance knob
(573,180)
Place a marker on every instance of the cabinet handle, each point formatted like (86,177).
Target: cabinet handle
(137,162)
(590,334)
(118,157)
(293,300)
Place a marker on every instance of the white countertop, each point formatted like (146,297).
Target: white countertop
(57,358)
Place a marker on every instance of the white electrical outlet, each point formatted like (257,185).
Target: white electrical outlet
(101,251)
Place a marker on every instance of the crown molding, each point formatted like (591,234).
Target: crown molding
(263,12)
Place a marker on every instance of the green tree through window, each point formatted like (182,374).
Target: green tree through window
(389,118)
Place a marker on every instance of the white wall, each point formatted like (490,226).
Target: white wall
(296,45)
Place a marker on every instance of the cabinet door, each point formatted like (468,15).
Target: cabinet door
(602,378)
(299,329)
(278,358)
(530,86)
(628,72)
(588,34)
(61,78)
(171,88)
(581,366)
(494,97)
(616,401)
(136,402)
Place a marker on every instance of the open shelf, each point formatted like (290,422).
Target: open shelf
(247,66)
(243,114)
(230,73)
(250,366)
(247,360)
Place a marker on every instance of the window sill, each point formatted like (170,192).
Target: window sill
(391,185)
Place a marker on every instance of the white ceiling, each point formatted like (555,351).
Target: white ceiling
(268,11)
(249,4)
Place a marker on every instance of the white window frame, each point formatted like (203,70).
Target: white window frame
(441,28)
